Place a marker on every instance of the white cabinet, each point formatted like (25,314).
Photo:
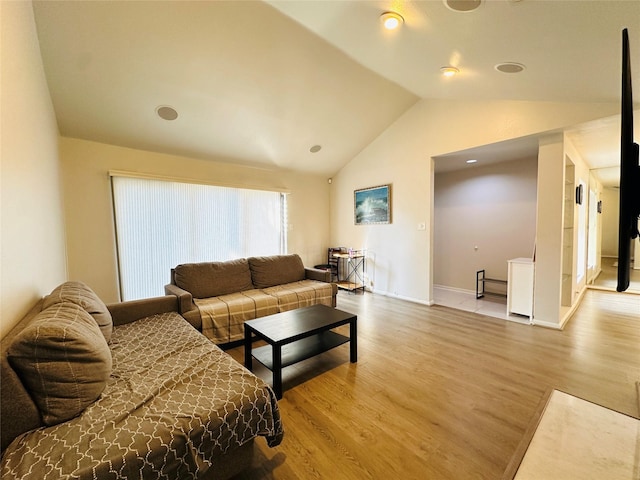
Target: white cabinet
(520,287)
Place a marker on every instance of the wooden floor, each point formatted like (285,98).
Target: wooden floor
(439,393)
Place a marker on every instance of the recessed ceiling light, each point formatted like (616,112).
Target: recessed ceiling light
(462,5)
(449,71)
(391,20)
(472,160)
(510,67)
(315,148)
(166,112)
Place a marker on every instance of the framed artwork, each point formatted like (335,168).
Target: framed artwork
(372,205)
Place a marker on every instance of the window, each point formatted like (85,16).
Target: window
(160,224)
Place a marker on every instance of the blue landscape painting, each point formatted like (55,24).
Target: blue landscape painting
(372,205)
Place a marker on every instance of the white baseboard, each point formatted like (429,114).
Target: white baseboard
(565,318)
(402,297)
(542,323)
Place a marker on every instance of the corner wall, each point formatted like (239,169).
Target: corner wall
(549,232)
(33,242)
(400,255)
(88,204)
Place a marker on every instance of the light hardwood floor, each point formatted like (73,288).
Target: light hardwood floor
(439,393)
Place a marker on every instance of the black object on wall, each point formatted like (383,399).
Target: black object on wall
(629,174)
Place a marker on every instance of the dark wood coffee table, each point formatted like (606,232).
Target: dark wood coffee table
(296,335)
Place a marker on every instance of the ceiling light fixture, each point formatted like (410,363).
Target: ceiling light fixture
(510,67)
(449,71)
(166,113)
(391,20)
(472,160)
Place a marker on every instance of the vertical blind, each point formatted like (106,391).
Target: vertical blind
(160,224)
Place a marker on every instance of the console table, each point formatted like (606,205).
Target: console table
(352,266)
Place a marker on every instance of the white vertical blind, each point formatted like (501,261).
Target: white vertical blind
(160,224)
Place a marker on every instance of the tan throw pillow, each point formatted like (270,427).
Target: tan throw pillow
(63,360)
(276,270)
(80,294)
(212,279)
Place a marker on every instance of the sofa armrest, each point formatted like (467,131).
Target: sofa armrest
(185,300)
(18,412)
(317,274)
(127,312)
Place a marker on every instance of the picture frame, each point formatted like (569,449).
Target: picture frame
(372,205)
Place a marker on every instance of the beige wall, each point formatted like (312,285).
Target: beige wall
(610,218)
(582,174)
(88,209)
(483,216)
(401,255)
(33,249)
(549,235)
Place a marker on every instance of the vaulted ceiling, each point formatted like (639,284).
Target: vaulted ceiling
(261,83)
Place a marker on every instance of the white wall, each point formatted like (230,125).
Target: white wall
(549,232)
(33,248)
(88,208)
(401,255)
(484,216)
(582,177)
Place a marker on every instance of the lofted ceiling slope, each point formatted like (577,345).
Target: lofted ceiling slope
(260,83)
(249,84)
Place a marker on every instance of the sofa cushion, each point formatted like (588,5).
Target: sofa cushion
(63,360)
(211,279)
(276,270)
(80,294)
(301,294)
(223,317)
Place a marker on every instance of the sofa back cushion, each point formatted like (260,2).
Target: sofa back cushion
(63,360)
(276,270)
(212,279)
(80,294)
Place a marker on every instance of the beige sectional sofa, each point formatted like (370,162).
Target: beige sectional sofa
(218,297)
(128,390)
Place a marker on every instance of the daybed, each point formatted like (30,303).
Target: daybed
(125,391)
(218,297)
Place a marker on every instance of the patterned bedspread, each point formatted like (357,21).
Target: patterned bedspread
(173,404)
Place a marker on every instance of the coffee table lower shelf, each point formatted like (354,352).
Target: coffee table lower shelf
(295,335)
(300,349)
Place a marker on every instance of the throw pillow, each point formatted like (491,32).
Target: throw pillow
(276,270)
(212,279)
(63,360)
(80,294)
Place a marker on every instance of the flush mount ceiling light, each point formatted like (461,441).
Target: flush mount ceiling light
(510,67)
(462,5)
(315,148)
(449,71)
(166,113)
(391,20)
(472,160)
